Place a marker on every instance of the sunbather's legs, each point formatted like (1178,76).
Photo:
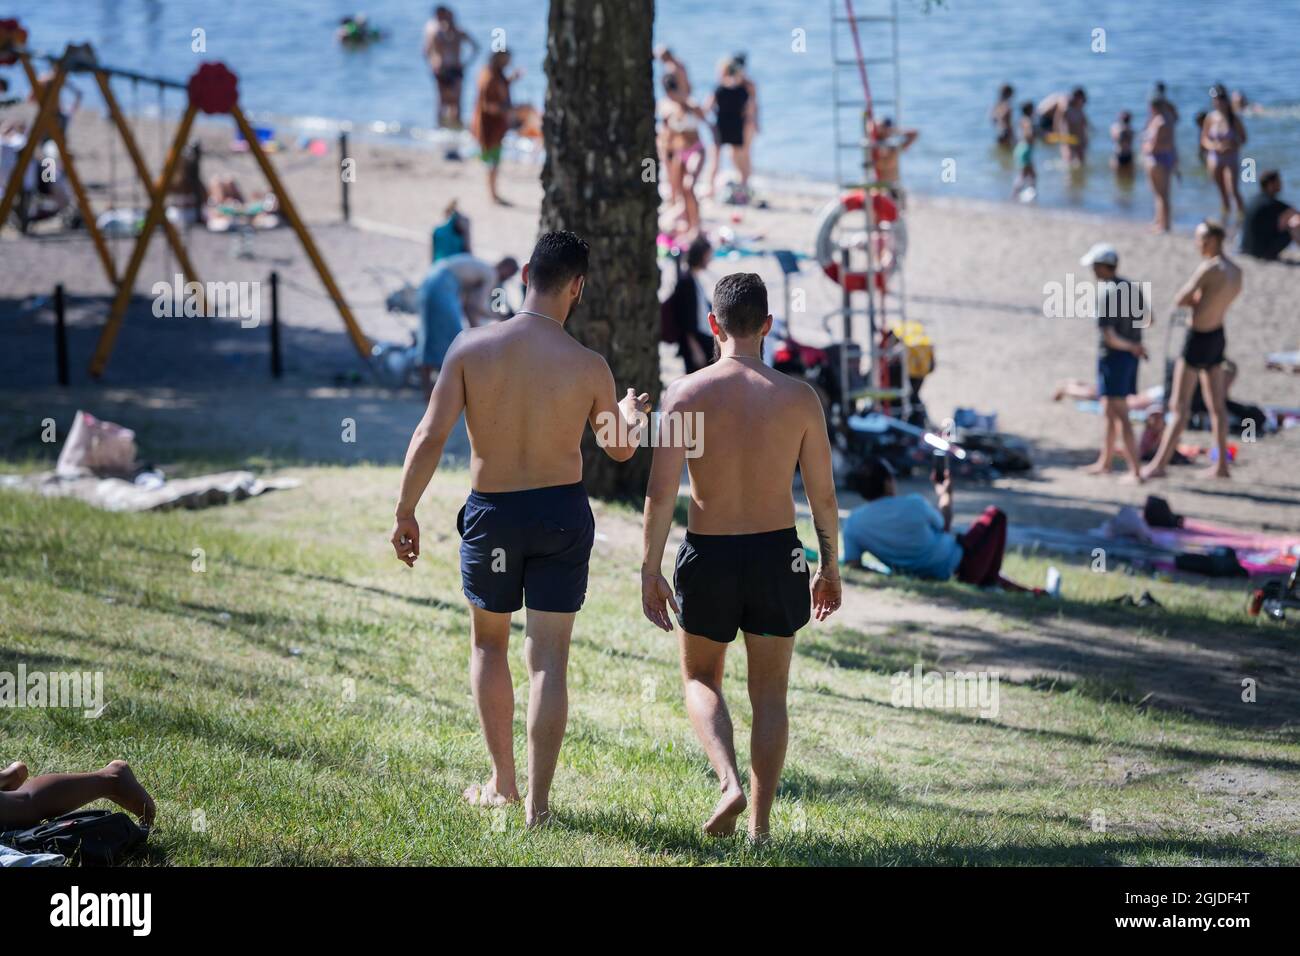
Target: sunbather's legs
(54,794)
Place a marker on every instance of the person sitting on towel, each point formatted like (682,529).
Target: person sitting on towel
(912,536)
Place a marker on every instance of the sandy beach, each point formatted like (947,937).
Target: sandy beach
(975,274)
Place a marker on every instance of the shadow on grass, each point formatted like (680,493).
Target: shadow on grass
(690,845)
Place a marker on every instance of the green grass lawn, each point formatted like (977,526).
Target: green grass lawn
(304,700)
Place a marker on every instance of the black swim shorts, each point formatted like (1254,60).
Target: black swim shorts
(1204,350)
(529,547)
(757,583)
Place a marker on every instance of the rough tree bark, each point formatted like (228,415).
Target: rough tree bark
(598,181)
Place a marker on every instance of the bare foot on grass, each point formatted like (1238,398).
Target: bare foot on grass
(723,821)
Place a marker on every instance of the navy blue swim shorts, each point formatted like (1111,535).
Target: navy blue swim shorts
(528,547)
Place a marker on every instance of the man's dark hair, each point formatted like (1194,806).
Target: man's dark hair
(872,478)
(697,251)
(1268,177)
(557,259)
(740,303)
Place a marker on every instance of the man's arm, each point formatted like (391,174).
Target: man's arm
(1190,292)
(819,486)
(660,502)
(617,424)
(1120,344)
(422,455)
(427,46)
(473,46)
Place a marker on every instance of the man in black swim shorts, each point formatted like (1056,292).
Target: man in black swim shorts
(444,51)
(1211,289)
(742,567)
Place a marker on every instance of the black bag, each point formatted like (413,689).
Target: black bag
(1220,562)
(88,837)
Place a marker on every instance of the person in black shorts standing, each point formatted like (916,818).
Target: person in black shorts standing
(1211,289)
(1121,316)
(742,567)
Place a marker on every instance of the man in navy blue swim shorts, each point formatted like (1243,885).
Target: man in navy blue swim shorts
(528,391)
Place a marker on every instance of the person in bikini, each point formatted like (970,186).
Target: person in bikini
(682,150)
(1211,289)
(1222,136)
(1161,159)
(742,567)
(528,391)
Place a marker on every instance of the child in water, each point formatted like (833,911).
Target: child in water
(1121,134)
(1026,187)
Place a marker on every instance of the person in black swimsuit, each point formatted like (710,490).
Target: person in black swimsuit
(732,106)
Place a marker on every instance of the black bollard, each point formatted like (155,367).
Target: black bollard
(60,336)
(277,367)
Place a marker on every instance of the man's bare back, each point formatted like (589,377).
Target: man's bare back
(1216,283)
(755,420)
(530,390)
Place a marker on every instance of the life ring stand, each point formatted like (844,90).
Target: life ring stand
(889,237)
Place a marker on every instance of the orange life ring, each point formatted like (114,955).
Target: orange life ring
(889,238)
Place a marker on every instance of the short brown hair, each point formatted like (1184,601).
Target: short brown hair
(740,303)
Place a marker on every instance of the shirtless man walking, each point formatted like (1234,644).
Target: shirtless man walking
(742,566)
(1209,292)
(527,390)
(444,44)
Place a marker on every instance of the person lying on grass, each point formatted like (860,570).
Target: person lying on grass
(25,802)
(911,536)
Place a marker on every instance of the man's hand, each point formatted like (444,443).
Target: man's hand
(656,598)
(825,593)
(406,539)
(1140,351)
(634,408)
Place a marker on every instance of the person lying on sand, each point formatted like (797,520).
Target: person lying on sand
(26,801)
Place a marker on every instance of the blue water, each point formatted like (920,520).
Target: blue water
(952,60)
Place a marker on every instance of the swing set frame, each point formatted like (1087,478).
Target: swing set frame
(80,58)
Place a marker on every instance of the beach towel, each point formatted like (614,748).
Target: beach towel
(1283,361)
(116,494)
(1258,552)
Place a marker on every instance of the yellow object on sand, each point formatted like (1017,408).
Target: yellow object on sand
(918,350)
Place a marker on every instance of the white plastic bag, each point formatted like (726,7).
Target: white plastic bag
(101,447)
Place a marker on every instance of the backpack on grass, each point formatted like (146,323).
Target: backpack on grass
(88,837)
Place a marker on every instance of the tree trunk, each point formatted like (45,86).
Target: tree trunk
(599,181)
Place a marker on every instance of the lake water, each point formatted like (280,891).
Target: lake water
(952,58)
